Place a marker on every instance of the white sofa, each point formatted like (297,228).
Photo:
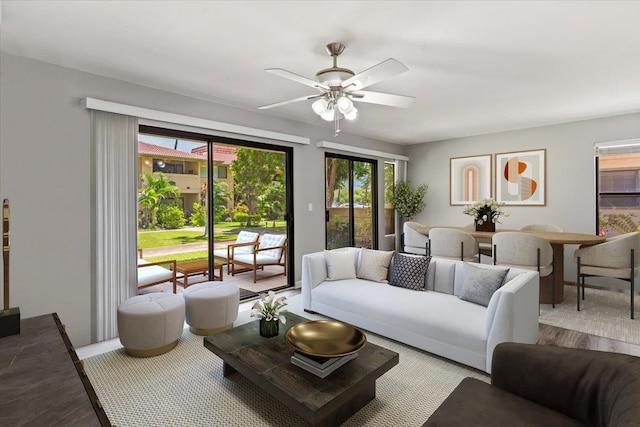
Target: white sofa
(436,321)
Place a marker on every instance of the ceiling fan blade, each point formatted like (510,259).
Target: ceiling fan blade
(379,72)
(290,101)
(296,78)
(400,101)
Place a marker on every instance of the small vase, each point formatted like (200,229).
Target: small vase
(269,328)
(486,226)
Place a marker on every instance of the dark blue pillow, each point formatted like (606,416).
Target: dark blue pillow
(409,271)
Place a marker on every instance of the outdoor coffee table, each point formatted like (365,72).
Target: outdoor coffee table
(197,266)
(266,362)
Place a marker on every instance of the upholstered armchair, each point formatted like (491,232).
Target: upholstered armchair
(244,244)
(270,251)
(538,385)
(153,273)
(414,242)
(617,257)
(522,250)
(449,243)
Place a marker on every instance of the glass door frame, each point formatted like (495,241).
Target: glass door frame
(210,140)
(374,198)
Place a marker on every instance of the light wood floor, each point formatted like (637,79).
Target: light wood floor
(551,335)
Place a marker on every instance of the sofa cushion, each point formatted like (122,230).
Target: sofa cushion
(479,284)
(475,403)
(409,271)
(374,265)
(341,264)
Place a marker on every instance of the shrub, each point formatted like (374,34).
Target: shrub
(254,219)
(171,217)
(198,216)
(241,217)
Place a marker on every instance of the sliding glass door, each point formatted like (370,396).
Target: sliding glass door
(199,193)
(350,209)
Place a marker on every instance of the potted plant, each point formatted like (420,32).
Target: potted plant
(408,202)
(270,310)
(485,213)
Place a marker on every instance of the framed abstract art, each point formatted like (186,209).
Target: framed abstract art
(470,179)
(521,178)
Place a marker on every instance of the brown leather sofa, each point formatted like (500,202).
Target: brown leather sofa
(535,385)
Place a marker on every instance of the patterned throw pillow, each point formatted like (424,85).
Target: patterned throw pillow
(479,284)
(409,271)
(341,263)
(374,265)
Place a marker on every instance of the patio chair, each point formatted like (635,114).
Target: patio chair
(270,251)
(153,273)
(245,242)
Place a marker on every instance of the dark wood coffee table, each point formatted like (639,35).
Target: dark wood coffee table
(267,363)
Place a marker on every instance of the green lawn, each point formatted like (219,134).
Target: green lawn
(185,256)
(224,231)
(157,239)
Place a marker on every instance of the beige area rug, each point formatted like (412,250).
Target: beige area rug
(602,313)
(185,387)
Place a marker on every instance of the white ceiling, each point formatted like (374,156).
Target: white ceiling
(474,67)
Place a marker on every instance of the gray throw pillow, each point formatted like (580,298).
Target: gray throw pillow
(409,271)
(479,284)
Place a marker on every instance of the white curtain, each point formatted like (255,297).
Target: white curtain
(114,139)
(401,175)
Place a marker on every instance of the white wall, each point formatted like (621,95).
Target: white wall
(570,173)
(45,171)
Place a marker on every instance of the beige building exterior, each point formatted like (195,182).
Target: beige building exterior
(188,170)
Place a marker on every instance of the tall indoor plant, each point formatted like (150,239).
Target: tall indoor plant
(408,202)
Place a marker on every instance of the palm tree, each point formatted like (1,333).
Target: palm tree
(151,195)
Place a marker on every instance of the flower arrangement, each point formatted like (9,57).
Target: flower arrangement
(486,210)
(270,308)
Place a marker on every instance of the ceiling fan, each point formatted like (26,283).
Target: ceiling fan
(339,87)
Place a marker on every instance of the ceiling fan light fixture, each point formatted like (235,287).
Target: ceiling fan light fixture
(328,115)
(320,106)
(352,114)
(344,104)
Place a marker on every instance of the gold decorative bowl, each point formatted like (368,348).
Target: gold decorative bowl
(325,338)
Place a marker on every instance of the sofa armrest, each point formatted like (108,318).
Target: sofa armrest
(314,272)
(594,387)
(512,314)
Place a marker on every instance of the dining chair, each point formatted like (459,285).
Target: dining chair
(484,245)
(542,227)
(245,241)
(271,250)
(414,242)
(522,250)
(617,257)
(453,244)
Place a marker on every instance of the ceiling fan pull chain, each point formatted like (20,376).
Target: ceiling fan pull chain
(336,121)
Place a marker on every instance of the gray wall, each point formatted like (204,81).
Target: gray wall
(570,173)
(45,171)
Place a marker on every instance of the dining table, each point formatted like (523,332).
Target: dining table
(557,240)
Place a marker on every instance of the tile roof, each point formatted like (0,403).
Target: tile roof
(158,151)
(223,154)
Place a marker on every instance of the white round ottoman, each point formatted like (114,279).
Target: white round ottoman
(211,307)
(150,324)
